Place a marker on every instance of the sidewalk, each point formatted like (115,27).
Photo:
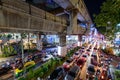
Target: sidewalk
(111,71)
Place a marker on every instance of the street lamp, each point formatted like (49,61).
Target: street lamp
(108,26)
(108,22)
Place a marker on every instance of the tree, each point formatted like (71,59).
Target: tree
(23,35)
(9,36)
(110,11)
(0,36)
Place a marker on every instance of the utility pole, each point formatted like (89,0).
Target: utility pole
(22,50)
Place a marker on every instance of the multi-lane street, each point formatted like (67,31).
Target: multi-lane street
(83,58)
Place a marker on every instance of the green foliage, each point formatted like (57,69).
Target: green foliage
(23,35)
(119,54)
(117,75)
(110,11)
(8,51)
(108,51)
(85,44)
(31,75)
(22,78)
(0,36)
(29,68)
(9,36)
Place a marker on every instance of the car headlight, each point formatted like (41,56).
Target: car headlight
(102,77)
(87,74)
(65,78)
(16,73)
(93,75)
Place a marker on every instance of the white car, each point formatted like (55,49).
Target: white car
(47,57)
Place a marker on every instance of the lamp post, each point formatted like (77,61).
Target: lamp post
(108,26)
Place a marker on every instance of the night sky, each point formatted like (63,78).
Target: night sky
(93,6)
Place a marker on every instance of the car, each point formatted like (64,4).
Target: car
(90,72)
(57,74)
(80,62)
(108,60)
(95,48)
(19,69)
(103,75)
(69,60)
(105,67)
(84,57)
(76,55)
(100,64)
(90,47)
(4,69)
(88,53)
(118,66)
(94,62)
(82,51)
(98,72)
(47,57)
(88,50)
(110,77)
(72,73)
(94,56)
(66,65)
(83,48)
(101,55)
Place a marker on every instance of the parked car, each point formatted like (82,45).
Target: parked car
(57,74)
(72,73)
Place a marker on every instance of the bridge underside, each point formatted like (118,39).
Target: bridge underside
(19,16)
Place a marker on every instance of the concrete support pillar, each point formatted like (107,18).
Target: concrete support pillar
(73,28)
(62,48)
(0,50)
(79,40)
(87,39)
(39,42)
